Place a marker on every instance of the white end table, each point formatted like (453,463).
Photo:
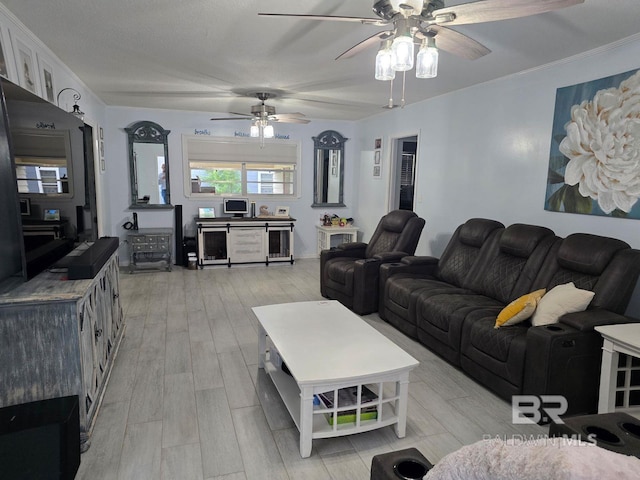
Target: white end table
(621,338)
(325,234)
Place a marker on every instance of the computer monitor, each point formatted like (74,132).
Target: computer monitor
(238,207)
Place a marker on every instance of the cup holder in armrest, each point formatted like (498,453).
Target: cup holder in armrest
(554,328)
(603,435)
(631,428)
(409,469)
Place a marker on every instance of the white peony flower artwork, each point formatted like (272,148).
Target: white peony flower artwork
(596,168)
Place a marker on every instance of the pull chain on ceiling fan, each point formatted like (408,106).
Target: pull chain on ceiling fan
(425,23)
(263,115)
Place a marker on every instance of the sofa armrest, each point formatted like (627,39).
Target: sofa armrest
(388,257)
(562,360)
(418,260)
(354,252)
(427,266)
(351,246)
(585,321)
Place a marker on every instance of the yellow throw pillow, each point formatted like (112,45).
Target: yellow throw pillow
(520,309)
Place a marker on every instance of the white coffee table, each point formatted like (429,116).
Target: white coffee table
(327,347)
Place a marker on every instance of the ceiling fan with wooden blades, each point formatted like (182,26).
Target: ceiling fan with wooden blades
(266,113)
(430,19)
(262,116)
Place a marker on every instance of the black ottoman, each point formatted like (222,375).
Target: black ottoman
(618,432)
(406,464)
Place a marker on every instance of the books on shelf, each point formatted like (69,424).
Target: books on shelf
(348,397)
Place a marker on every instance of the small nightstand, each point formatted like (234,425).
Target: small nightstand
(150,248)
(349,234)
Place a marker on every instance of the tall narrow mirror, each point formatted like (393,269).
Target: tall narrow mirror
(149,166)
(328,187)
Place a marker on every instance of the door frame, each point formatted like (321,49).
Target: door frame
(98,176)
(393,189)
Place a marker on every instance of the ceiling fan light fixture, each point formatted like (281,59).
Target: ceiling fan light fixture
(402,49)
(427,59)
(255,131)
(384,62)
(268,131)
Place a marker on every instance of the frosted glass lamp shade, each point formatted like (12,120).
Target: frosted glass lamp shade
(427,61)
(384,61)
(402,49)
(255,131)
(268,131)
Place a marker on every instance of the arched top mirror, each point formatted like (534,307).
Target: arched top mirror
(149,166)
(328,149)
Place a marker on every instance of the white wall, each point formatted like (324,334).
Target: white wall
(484,152)
(186,123)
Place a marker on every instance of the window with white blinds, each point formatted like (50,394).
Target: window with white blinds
(237,166)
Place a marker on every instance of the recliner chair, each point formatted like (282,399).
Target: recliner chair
(349,272)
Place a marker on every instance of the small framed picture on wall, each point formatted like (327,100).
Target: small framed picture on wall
(27,72)
(46,79)
(4,56)
(376,158)
(378,144)
(377,171)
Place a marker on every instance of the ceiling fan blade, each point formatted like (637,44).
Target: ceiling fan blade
(458,44)
(364,44)
(364,21)
(289,120)
(232,118)
(492,10)
(289,115)
(241,114)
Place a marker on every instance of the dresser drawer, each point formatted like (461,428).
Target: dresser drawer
(139,238)
(145,247)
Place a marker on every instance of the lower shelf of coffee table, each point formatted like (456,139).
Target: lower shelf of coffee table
(290,394)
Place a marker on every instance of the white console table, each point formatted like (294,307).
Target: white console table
(228,240)
(348,234)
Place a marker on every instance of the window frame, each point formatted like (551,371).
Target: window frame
(259,155)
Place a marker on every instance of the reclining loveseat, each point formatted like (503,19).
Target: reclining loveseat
(451,305)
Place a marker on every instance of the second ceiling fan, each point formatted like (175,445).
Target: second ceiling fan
(263,115)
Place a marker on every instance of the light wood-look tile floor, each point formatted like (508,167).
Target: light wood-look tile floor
(186,399)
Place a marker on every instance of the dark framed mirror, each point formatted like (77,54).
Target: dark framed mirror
(328,177)
(149,166)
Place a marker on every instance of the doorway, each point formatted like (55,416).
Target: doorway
(403,173)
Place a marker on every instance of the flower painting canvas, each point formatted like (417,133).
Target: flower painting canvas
(594,163)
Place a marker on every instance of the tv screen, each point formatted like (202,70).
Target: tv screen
(236,206)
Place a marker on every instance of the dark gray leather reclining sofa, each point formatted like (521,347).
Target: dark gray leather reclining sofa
(450,305)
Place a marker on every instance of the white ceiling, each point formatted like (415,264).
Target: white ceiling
(197,55)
